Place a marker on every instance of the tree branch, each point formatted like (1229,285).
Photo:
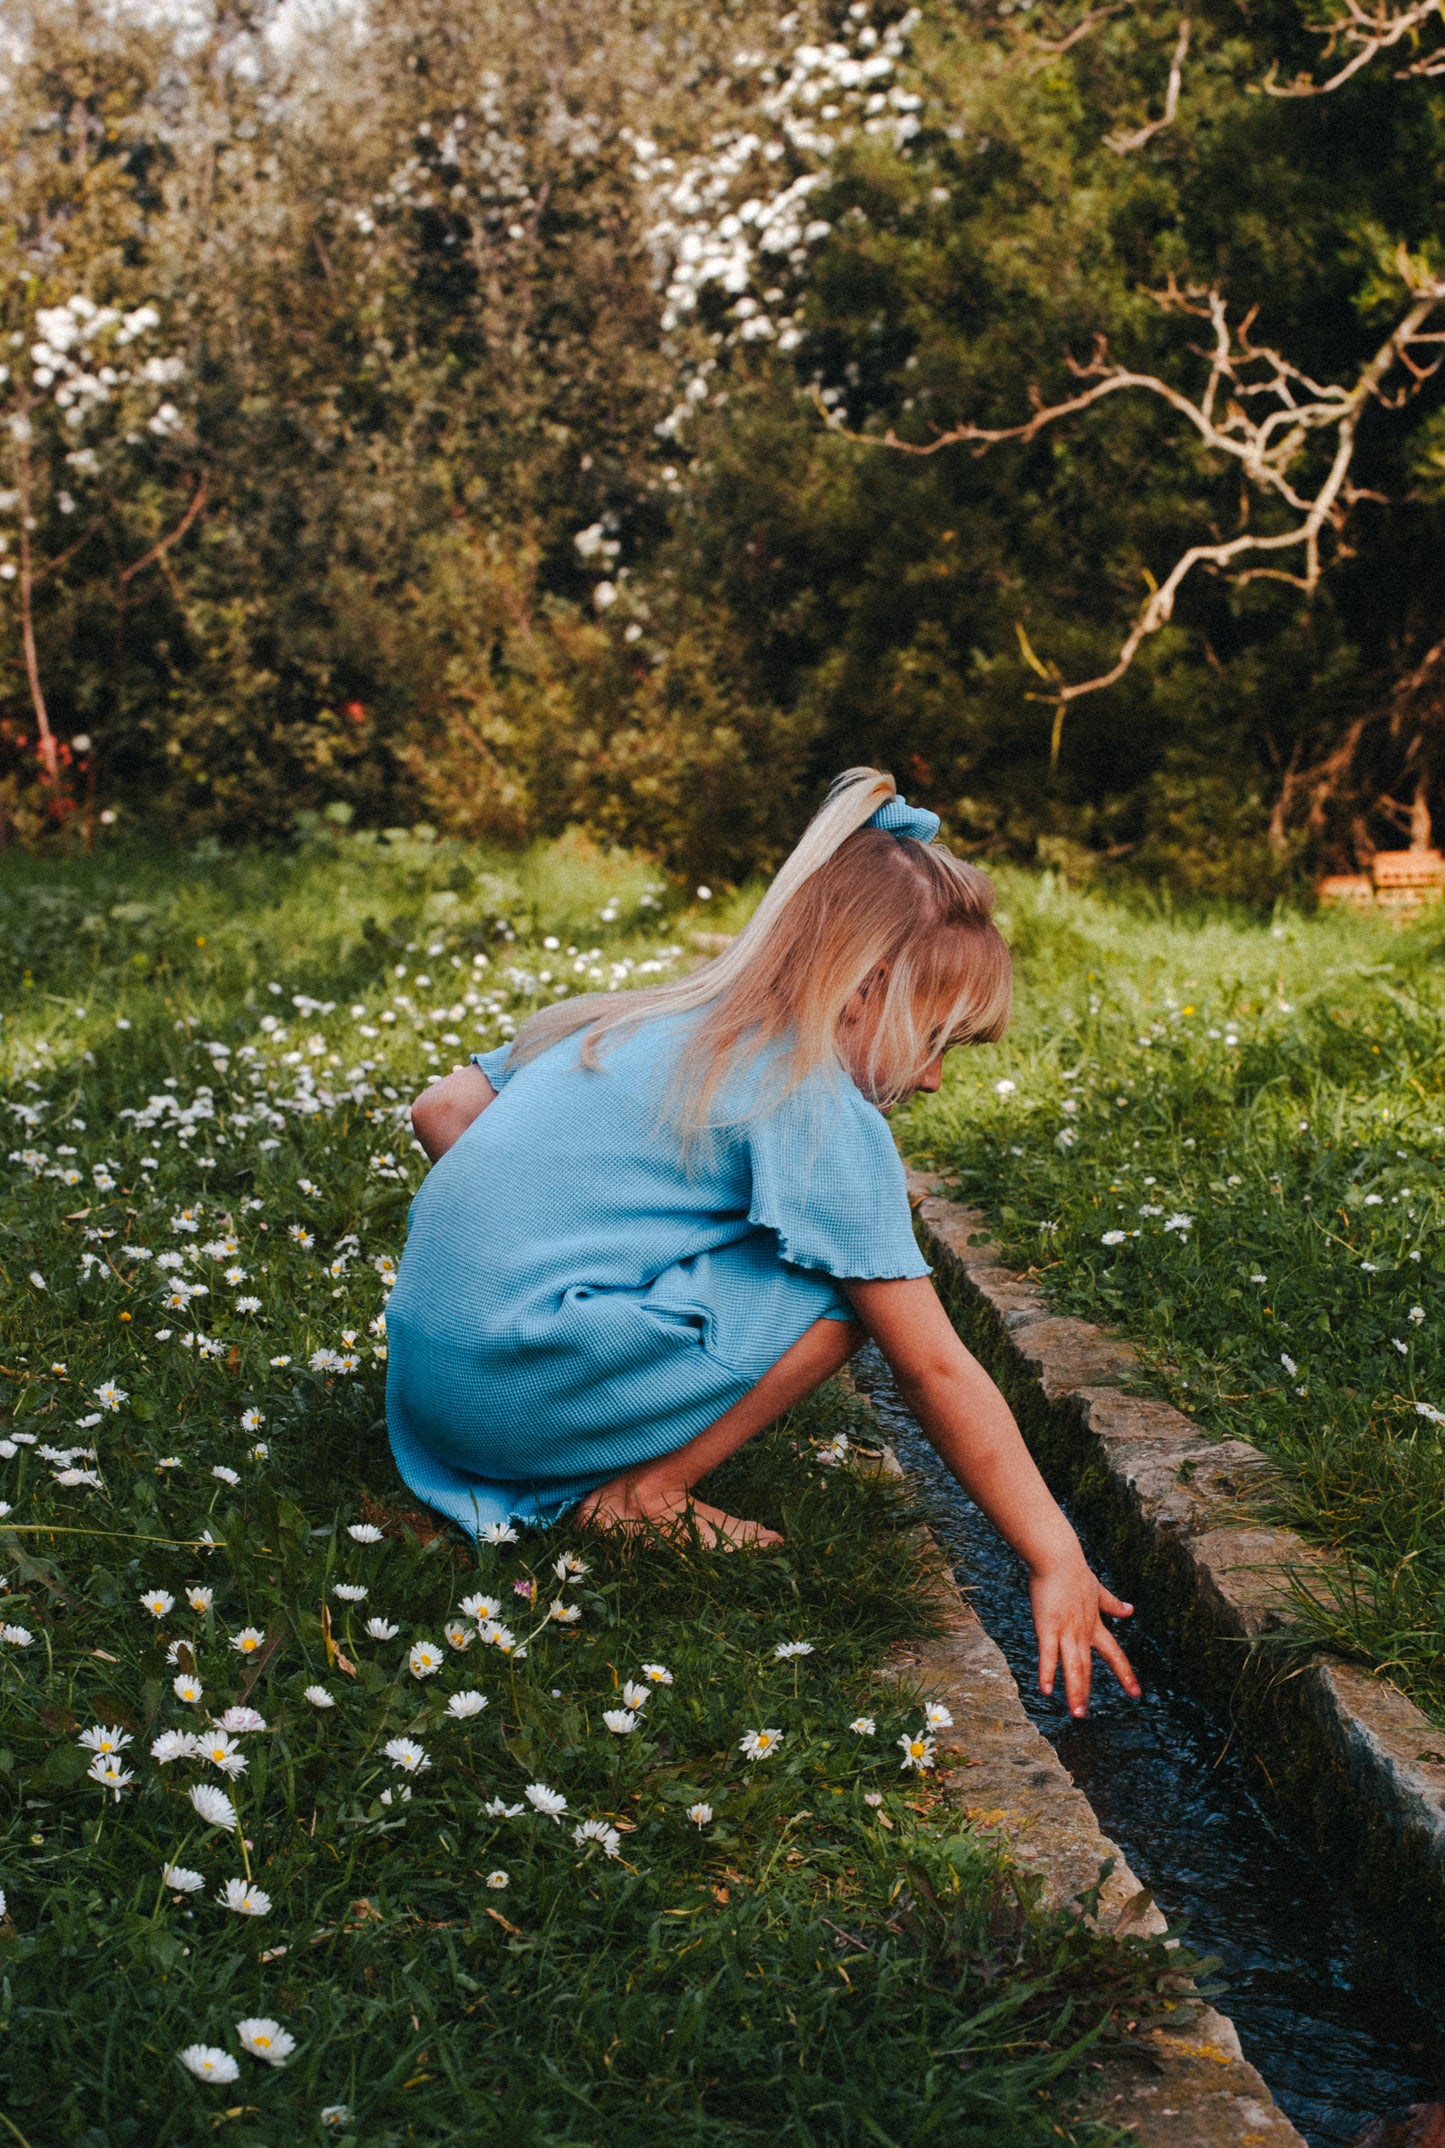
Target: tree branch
(1269,447)
(1122,144)
(1365,32)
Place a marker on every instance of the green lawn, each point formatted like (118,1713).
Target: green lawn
(1225,1137)
(204,1064)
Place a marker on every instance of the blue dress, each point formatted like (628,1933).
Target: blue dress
(577,1296)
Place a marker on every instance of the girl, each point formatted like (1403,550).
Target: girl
(660,1218)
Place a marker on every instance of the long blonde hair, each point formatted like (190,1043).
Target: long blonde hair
(854,911)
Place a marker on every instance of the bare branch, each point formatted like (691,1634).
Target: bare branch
(1122,144)
(1048,49)
(1364,33)
(1269,444)
(159,550)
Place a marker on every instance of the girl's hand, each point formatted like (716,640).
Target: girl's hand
(1067,1602)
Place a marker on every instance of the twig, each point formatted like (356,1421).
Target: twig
(1122,144)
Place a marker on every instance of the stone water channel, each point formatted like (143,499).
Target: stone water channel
(1310,1986)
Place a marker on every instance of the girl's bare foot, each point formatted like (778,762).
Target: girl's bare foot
(612,1509)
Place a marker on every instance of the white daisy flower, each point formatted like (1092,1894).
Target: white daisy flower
(917,1749)
(187,1688)
(380,1630)
(699,1814)
(350,1592)
(937,1716)
(760,1744)
(319,1697)
(266,2039)
(498,1532)
(175,1745)
(550,1804)
(406,1753)
(425,1660)
(252,1419)
(109,1396)
(248,1640)
(465,1704)
(499,1879)
(607,1838)
(480,1607)
(17,1636)
(181,1880)
(459,1635)
(104,1738)
(657,1674)
(212,1805)
(863,1726)
(786,1650)
(227,1476)
(570,1568)
(619,1721)
(497,1808)
(635,1696)
(157,1602)
(364,1532)
(200,1600)
(244,1899)
(208,2063)
(110,1775)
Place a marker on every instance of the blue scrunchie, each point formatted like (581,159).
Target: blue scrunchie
(899,818)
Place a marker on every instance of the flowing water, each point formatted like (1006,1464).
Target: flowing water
(1309,1983)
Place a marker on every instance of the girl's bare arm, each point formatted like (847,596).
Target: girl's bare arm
(442,1113)
(968,1421)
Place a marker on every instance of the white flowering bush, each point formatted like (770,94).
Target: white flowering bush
(307,1805)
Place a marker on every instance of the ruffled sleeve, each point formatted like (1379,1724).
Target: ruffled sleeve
(828,1181)
(495,1065)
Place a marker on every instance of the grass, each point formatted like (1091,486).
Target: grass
(1225,1138)
(191,1302)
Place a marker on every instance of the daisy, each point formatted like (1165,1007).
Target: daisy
(335,2114)
(406,1753)
(458,1635)
(259,1452)
(175,1745)
(863,1726)
(350,1592)
(619,1721)
(759,1744)
(200,1600)
(227,1476)
(569,1567)
(105,1738)
(425,1660)
(266,2039)
(699,1814)
(498,1809)
(244,1899)
(157,1602)
(917,1750)
(250,1305)
(241,1718)
(497,1880)
(364,1532)
(498,1532)
(248,1640)
(110,1775)
(252,1419)
(937,1716)
(213,1806)
(599,1832)
(319,1697)
(109,1396)
(634,1696)
(550,1804)
(657,1674)
(209,2064)
(235,1275)
(480,1607)
(278,1364)
(465,1704)
(786,1650)
(565,1614)
(496,1636)
(17,1636)
(380,1630)
(187,1688)
(181,1880)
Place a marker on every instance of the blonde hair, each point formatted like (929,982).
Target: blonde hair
(856,915)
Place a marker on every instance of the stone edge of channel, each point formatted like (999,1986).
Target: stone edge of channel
(1345,1749)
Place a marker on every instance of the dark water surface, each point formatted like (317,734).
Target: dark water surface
(1309,1984)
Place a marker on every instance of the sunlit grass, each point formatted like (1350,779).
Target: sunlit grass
(1257,1108)
(205,1070)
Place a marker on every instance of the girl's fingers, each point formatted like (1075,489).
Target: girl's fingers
(1114,1605)
(1117,1661)
(1078,1673)
(1048,1658)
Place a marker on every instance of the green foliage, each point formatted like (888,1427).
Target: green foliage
(1254,1116)
(796,1965)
